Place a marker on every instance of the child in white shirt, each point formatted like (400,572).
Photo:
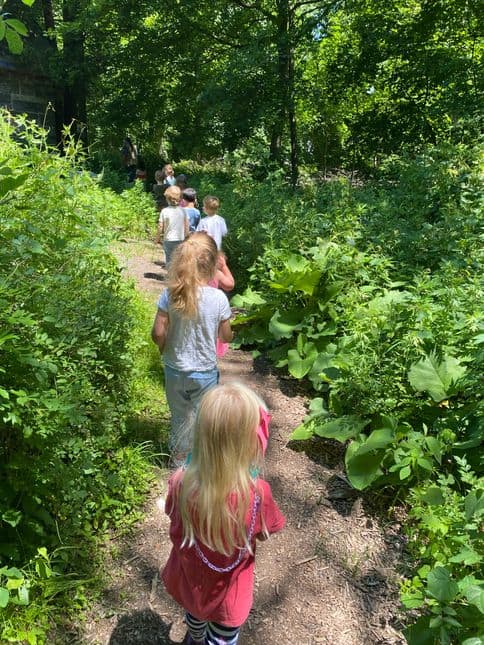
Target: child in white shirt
(213,224)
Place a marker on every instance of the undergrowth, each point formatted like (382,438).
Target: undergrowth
(77,446)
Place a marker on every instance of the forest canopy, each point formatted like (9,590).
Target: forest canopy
(292,82)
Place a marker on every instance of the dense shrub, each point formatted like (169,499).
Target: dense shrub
(66,347)
(373,294)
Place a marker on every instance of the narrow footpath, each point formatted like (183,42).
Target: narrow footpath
(329,578)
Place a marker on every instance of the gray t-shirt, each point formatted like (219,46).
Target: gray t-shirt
(191,343)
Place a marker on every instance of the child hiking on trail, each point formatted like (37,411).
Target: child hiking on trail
(213,224)
(173,223)
(191,316)
(189,203)
(218,508)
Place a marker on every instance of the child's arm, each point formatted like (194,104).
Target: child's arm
(273,520)
(161,230)
(224,275)
(160,329)
(225,331)
(186,224)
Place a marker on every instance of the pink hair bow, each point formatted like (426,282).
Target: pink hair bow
(263,429)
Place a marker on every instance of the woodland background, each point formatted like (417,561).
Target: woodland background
(345,142)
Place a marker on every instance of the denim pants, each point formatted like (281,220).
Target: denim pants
(183,393)
(168,248)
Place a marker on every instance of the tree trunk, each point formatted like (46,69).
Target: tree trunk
(285,112)
(291,110)
(49,22)
(75,114)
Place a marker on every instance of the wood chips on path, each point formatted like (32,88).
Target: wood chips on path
(328,578)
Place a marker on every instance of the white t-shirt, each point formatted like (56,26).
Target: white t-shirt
(173,219)
(215,226)
(191,344)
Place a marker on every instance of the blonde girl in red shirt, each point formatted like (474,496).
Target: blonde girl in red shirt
(218,507)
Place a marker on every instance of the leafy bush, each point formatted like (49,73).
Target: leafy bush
(67,348)
(373,295)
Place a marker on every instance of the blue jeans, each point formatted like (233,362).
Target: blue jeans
(183,393)
(168,248)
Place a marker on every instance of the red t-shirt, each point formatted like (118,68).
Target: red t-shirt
(224,598)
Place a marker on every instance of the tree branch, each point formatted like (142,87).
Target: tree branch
(254,7)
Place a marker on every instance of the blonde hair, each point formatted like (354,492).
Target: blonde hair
(173,195)
(215,490)
(211,203)
(192,265)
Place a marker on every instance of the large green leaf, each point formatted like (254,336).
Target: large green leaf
(441,586)
(474,504)
(248,299)
(18,26)
(299,275)
(364,457)
(299,366)
(302,432)
(475,595)
(428,375)
(4,596)
(284,324)
(362,469)
(342,428)
(14,41)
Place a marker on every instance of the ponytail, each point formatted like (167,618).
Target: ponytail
(193,264)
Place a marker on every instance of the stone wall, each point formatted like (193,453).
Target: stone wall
(24,92)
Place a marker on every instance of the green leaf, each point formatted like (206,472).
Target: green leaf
(10,182)
(12,517)
(14,41)
(412,600)
(341,429)
(283,324)
(474,504)
(317,408)
(441,586)
(23,595)
(475,595)
(428,375)
(467,556)
(362,469)
(433,496)
(404,472)
(18,26)
(298,366)
(29,3)
(475,640)
(2,28)
(13,572)
(302,432)
(419,633)
(248,299)
(4,596)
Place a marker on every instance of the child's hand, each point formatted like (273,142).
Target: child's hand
(221,262)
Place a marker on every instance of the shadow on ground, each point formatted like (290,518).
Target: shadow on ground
(143,627)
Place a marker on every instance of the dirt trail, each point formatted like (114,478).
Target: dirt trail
(328,578)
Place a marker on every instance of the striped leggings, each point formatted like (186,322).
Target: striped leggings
(207,633)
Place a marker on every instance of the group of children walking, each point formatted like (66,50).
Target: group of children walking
(217,503)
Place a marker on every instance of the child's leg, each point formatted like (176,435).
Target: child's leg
(183,393)
(196,628)
(196,385)
(180,426)
(221,635)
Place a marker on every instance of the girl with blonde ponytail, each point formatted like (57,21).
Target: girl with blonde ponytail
(191,316)
(218,507)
